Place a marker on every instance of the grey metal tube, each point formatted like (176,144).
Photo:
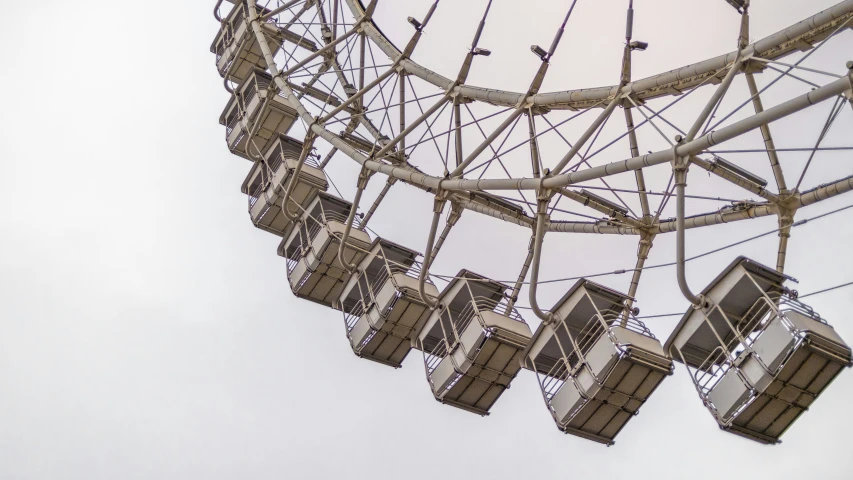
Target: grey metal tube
(590,227)
(348,227)
(391,181)
(765,133)
(441,238)
(428,259)
(520,220)
(635,151)
(228,70)
(257,127)
(785,224)
(541,218)
(643,249)
(513,297)
(680,185)
(455,214)
(216,11)
(294,177)
(824,192)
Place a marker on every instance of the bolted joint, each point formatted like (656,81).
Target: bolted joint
(680,164)
(743,38)
(455,214)
(645,245)
(850,79)
(364,177)
(544,194)
(786,221)
(439,202)
(703,304)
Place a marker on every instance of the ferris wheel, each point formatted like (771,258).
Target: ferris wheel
(317,80)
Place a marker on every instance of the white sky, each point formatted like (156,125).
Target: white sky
(147,330)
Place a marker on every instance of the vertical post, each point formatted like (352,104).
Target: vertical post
(455,214)
(363,178)
(438,207)
(513,297)
(643,249)
(786,221)
(541,219)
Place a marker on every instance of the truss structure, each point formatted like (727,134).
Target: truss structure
(552,162)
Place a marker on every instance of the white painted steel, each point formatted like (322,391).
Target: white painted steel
(474,341)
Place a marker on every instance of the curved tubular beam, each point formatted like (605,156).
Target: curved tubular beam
(216,11)
(513,297)
(351,267)
(256,127)
(228,70)
(680,165)
(455,214)
(436,216)
(541,218)
(773,47)
(294,177)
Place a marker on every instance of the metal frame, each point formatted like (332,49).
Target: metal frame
(321,60)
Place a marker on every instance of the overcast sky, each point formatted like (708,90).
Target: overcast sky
(147,330)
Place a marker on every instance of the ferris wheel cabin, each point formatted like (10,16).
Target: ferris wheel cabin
(472,343)
(268,181)
(597,364)
(255,106)
(383,310)
(237,50)
(311,250)
(757,356)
